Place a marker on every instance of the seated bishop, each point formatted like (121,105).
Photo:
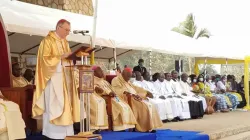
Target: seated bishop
(145,112)
(122,115)
(11,123)
(163,106)
(98,112)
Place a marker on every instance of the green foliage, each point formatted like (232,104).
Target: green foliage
(203,33)
(209,68)
(189,28)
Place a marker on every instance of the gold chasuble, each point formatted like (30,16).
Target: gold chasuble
(19,81)
(51,69)
(145,113)
(122,115)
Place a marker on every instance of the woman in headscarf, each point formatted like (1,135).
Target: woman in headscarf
(235,90)
(204,91)
(205,84)
(222,87)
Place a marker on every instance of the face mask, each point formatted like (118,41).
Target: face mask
(188,80)
(224,80)
(195,80)
(201,79)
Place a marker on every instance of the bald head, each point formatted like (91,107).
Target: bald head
(161,77)
(174,74)
(98,72)
(184,77)
(168,76)
(16,70)
(28,74)
(147,76)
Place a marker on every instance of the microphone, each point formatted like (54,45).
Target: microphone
(80,31)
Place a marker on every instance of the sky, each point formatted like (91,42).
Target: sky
(144,22)
(221,17)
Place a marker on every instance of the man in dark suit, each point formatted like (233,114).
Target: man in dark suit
(140,67)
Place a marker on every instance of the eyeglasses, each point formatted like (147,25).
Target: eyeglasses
(67,30)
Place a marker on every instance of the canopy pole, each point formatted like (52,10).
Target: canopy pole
(92,58)
(246,82)
(114,53)
(180,66)
(205,68)
(226,66)
(150,62)
(205,74)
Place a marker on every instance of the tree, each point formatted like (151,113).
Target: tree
(209,69)
(189,28)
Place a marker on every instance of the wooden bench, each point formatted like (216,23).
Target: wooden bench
(23,96)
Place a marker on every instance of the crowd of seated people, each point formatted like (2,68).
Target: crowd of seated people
(190,97)
(153,100)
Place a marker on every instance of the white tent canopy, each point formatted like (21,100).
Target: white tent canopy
(27,24)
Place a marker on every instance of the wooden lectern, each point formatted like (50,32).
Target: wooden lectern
(86,87)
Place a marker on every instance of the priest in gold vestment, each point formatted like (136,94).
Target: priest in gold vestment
(55,99)
(17,79)
(122,115)
(145,113)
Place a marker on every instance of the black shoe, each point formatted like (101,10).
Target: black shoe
(164,121)
(97,132)
(175,120)
(153,131)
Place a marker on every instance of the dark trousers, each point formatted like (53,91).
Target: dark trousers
(196,109)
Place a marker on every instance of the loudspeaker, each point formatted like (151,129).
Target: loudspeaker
(178,65)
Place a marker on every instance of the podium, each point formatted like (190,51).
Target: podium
(86,87)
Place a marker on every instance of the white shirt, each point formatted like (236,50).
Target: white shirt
(211,86)
(161,88)
(186,88)
(169,87)
(176,86)
(221,85)
(147,86)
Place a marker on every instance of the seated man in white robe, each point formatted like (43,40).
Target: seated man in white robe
(187,89)
(199,102)
(163,106)
(195,108)
(11,123)
(181,106)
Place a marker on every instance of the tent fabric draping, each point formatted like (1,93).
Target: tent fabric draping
(27,24)
(114,31)
(27,19)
